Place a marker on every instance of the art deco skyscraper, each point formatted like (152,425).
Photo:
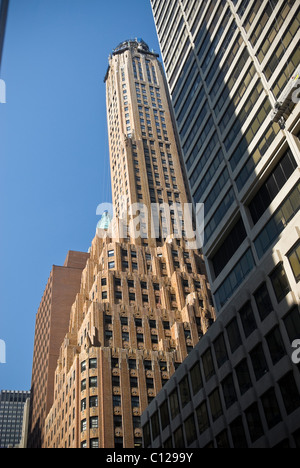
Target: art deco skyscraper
(144,302)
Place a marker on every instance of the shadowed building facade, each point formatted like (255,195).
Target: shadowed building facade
(144,302)
(232,69)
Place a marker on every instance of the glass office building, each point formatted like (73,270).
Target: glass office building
(11,417)
(233,74)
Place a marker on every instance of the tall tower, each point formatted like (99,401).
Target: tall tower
(144,302)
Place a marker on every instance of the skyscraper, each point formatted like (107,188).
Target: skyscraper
(3,17)
(52,323)
(233,70)
(144,301)
(12,405)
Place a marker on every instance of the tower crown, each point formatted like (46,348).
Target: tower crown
(132,43)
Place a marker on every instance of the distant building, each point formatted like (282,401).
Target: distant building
(52,322)
(3,17)
(12,405)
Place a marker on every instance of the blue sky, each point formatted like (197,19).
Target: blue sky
(54,160)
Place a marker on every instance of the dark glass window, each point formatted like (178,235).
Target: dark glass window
(243,376)
(215,405)
(196,378)
(248,319)
(259,362)
(155,426)
(238,434)
(220,350)
(203,418)
(208,365)
(184,392)
(263,301)
(294,258)
(280,283)
(179,439)
(164,415)
(190,430)
(276,346)
(292,324)
(272,186)
(290,393)
(271,408)
(254,422)
(234,335)
(231,244)
(174,404)
(229,391)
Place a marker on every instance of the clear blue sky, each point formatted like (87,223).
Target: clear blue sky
(54,161)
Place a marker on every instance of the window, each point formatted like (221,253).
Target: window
(280,283)
(271,408)
(272,186)
(215,405)
(238,434)
(94,423)
(234,336)
(279,221)
(184,392)
(259,362)
(229,391)
(111,265)
(196,378)
(83,425)
(155,426)
(290,393)
(111,253)
(208,365)
(83,404)
(94,402)
(164,415)
(93,382)
(230,245)
(94,443)
(93,363)
(83,385)
(174,404)
(220,350)
(179,439)
(203,419)
(294,259)
(243,376)
(276,346)
(190,430)
(254,422)
(104,295)
(83,366)
(292,324)
(248,319)
(263,301)
(147,435)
